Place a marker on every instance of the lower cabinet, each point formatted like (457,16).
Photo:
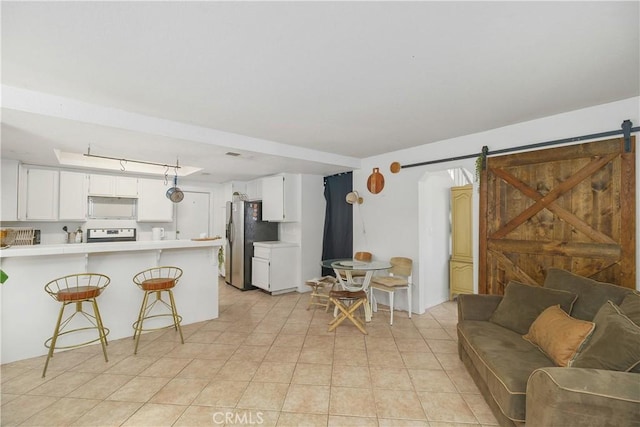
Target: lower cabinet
(460,278)
(273,266)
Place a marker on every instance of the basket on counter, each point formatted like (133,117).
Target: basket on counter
(16,237)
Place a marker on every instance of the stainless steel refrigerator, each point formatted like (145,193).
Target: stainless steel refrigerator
(244,226)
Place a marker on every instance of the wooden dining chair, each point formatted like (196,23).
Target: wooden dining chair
(399,278)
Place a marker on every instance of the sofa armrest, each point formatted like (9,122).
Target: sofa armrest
(477,307)
(582,397)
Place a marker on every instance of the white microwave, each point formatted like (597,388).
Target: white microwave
(112,207)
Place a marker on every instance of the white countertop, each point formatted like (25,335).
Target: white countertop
(88,248)
(275,244)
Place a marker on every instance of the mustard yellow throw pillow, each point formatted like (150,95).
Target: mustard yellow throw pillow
(559,335)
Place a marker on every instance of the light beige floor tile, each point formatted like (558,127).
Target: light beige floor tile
(108,413)
(351,376)
(399,404)
(444,424)
(480,409)
(390,378)
(267,396)
(312,355)
(342,421)
(241,370)
(435,334)
(219,352)
(289,340)
(450,362)
(203,416)
(463,381)
(420,361)
(311,399)
(257,338)
(443,346)
(343,343)
(228,337)
(349,401)
(385,358)
(131,365)
(255,353)
(139,389)
(351,357)
(155,415)
(64,412)
(295,328)
(6,398)
(201,368)
(63,384)
(312,374)
(272,372)
(101,386)
(30,380)
(412,345)
(254,417)
(290,419)
(431,380)
(406,332)
(204,336)
(448,407)
(190,350)
(282,354)
(166,367)
(380,344)
(180,391)
(319,342)
(221,393)
(23,407)
(384,422)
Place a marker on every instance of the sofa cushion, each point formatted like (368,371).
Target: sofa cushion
(522,304)
(503,360)
(615,343)
(559,335)
(630,306)
(591,294)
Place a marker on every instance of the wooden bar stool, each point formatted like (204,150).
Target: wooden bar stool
(155,281)
(347,302)
(77,289)
(318,297)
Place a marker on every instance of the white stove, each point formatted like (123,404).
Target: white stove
(95,235)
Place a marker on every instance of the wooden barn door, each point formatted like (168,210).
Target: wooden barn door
(569,207)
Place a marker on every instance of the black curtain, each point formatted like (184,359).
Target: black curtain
(338,220)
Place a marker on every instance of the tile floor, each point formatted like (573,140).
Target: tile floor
(265,361)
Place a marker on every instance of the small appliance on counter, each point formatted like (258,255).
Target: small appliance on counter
(96,235)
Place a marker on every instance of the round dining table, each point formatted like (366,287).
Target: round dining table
(344,268)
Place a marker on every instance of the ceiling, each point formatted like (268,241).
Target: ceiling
(307,87)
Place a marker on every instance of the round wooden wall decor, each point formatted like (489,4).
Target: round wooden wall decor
(395,167)
(375,183)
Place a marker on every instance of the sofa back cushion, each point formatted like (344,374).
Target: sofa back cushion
(591,294)
(522,304)
(614,344)
(630,306)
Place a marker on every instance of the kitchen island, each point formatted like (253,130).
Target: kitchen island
(29,313)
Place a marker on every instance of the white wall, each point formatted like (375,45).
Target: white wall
(392,216)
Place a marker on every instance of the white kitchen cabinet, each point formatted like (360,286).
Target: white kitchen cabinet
(113,186)
(254,189)
(73,196)
(9,191)
(280,198)
(153,204)
(272,266)
(38,195)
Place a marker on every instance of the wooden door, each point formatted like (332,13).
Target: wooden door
(569,207)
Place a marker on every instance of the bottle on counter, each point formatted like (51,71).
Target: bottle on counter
(79,235)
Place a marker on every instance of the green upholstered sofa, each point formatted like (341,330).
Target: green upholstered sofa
(523,386)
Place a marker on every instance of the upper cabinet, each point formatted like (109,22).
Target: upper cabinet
(38,194)
(280,198)
(73,196)
(113,186)
(254,189)
(153,204)
(9,191)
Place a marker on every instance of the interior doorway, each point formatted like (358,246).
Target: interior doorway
(435,232)
(193,215)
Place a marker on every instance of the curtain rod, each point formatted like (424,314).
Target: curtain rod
(626,131)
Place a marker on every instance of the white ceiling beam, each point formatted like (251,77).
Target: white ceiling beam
(65,108)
